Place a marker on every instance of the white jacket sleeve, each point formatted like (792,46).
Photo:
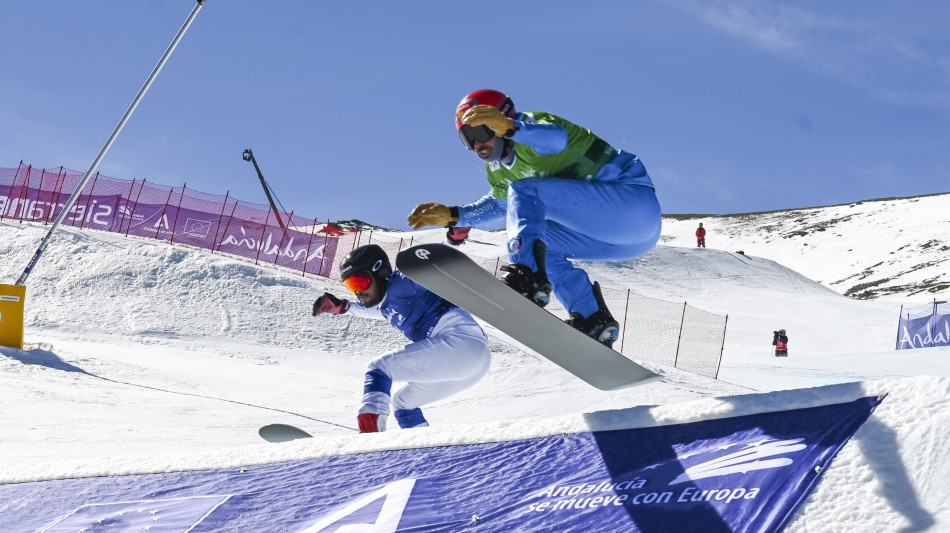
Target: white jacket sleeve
(358,309)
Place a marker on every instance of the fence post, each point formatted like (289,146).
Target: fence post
(290,220)
(85,212)
(39,191)
(12,204)
(676,357)
(260,242)
(118,201)
(230,218)
(313,231)
(9,199)
(158,224)
(326,242)
(220,218)
(900,316)
(59,192)
(722,348)
(12,185)
(135,206)
(175,223)
(623,332)
(306,258)
(115,216)
(26,188)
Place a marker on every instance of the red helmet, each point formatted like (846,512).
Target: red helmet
(498,100)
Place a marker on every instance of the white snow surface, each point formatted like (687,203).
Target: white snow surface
(166,358)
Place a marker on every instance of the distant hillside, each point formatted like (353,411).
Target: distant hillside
(887,247)
(868,249)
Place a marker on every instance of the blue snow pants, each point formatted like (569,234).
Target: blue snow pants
(607,218)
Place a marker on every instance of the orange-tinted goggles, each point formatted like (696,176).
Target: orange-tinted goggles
(358,282)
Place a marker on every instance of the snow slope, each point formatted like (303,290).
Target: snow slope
(167,359)
(868,249)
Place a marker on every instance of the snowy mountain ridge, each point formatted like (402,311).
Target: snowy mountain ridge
(866,249)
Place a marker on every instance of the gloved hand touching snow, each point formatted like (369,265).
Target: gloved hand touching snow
(330,304)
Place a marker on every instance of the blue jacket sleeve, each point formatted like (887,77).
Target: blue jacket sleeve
(485,209)
(546,139)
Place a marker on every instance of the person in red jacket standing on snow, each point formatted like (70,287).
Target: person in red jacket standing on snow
(780,341)
(700,236)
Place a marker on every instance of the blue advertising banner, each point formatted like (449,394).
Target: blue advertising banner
(741,474)
(924,332)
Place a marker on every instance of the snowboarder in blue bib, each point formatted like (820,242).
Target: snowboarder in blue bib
(566,195)
(449,350)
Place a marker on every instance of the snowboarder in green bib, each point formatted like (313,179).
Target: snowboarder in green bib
(566,195)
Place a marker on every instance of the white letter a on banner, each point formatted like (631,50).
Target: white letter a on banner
(396,494)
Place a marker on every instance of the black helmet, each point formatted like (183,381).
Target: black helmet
(781,331)
(370,258)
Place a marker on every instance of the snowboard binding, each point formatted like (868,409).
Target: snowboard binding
(600,325)
(534,286)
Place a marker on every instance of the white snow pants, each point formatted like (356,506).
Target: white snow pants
(454,357)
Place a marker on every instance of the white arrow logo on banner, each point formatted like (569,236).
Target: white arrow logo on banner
(744,461)
(162,223)
(396,494)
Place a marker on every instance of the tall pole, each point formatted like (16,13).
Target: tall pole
(248,155)
(105,148)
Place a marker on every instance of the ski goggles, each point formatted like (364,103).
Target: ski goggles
(358,282)
(471,134)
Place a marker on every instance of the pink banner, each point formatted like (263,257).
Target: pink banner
(176,215)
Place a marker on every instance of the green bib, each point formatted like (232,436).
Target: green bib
(583,158)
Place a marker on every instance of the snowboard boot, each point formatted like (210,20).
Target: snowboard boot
(600,325)
(410,418)
(532,285)
(371,422)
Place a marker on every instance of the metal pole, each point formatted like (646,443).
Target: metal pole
(248,155)
(105,148)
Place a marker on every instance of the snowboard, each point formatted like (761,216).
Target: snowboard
(452,275)
(282,433)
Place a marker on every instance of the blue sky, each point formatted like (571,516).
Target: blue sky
(734,106)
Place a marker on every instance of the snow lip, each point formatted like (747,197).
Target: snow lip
(473,434)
